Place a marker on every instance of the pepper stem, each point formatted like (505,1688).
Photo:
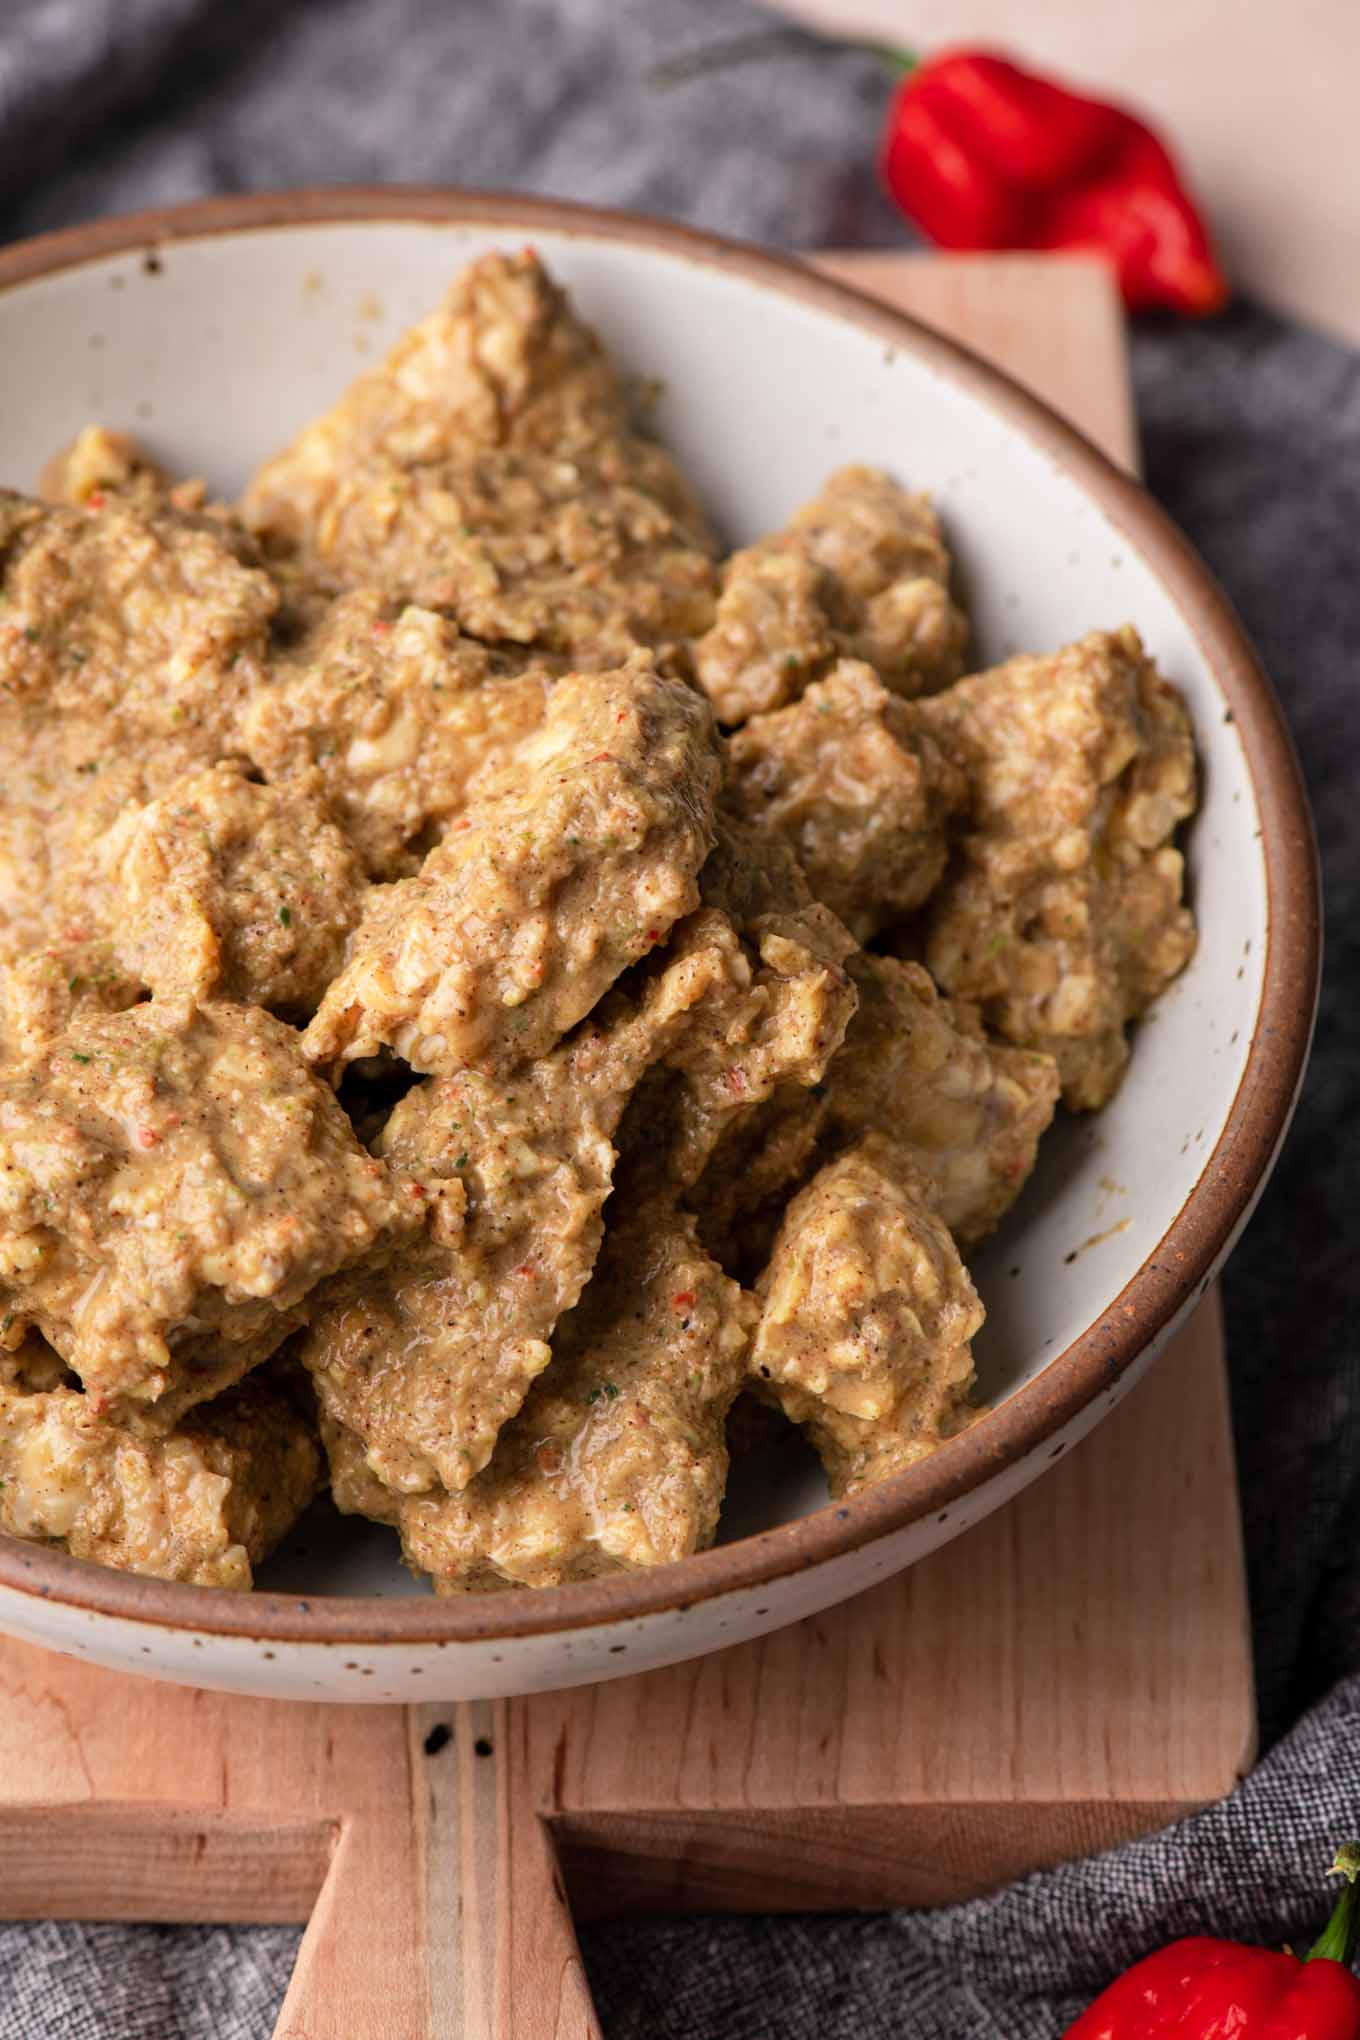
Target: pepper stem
(899,62)
(1336,1942)
(726,54)
(761,43)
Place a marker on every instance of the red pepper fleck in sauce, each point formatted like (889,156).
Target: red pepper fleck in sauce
(683,1299)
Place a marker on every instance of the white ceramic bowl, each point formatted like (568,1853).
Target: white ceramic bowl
(213,331)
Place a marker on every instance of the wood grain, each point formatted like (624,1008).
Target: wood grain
(1069,1673)
(1073,1671)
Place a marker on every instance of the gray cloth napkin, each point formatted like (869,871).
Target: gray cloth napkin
(1251,434)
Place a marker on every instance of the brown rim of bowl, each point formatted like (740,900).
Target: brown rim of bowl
(1183,1261)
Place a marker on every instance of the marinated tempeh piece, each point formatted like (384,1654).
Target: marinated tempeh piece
(100,463)
(752,874)
(765,1154)
(45,990)
(225,886)
(618,1459)
(404,719)
(747,1116)
(862,573)
(866,1318)
(127,643)
(967,1113)
(502,362)
(204,1504)
(887,574)
(962,1113)
(426,1360)
(771,633)
(1063,917)
(560,555)
(755,880)
(776,1019)
(489,467)
(172,1184)
(858,787)
(575,864)
(859,1452)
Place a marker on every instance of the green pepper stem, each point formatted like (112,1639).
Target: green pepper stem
(726,54)
(758,44)
(1336,1942)
(900,62)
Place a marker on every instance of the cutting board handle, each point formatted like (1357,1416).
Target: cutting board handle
(487,1920)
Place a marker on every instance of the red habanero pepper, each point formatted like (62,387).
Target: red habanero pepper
(1201,1989)
(979,153)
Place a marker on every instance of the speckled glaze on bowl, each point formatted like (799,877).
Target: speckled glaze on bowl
(213,331)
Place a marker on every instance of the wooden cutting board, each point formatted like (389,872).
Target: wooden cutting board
(1073,1671)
